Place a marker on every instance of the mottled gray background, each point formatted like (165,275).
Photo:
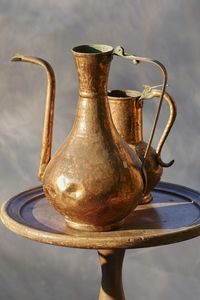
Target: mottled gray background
(167,30)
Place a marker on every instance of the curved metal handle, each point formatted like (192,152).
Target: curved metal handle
(150,93)
(45,155)
(119,51)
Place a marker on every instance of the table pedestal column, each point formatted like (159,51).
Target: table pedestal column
(111,266)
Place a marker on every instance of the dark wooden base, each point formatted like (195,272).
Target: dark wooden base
(111,266)
(172,216)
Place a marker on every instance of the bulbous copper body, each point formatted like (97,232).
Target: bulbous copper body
(95,178)
(126,111)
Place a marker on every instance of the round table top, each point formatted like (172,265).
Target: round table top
(172,216)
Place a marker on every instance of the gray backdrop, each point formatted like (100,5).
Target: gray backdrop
(167,30)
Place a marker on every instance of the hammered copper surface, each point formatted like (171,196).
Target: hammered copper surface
(126,110)
(172,216)
(94,179)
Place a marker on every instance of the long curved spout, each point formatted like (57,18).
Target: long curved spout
(45,155)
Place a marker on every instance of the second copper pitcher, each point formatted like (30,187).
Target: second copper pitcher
(127,114)
(94,179)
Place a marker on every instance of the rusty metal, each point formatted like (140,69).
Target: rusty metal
(126,110)
(94,179)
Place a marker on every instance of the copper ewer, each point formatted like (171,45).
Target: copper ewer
(126,110)
(94,179)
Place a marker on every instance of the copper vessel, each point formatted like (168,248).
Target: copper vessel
(126,110)
(94,179)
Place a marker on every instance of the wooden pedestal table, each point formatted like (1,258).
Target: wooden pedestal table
(173,216)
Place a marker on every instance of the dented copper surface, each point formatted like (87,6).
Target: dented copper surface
(94,179)
(126,110)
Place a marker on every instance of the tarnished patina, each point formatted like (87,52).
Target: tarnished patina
(95,179)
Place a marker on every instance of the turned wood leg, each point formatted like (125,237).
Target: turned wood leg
(111,267)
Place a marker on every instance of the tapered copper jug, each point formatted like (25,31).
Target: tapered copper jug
(126,110)
(94,179)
